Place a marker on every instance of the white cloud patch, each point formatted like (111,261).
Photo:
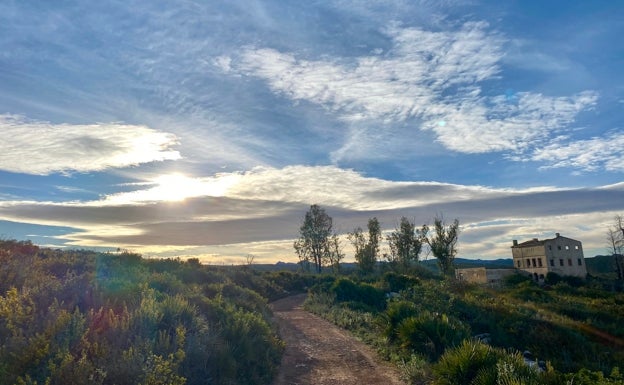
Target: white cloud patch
(588,155)
(429,78)
(41,148)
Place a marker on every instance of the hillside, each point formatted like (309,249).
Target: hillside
(80,317)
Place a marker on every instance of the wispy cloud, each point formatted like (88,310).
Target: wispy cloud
(432,80)
(49,147)
(588,155)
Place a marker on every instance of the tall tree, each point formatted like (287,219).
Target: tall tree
(366,248)
(335,254)
(615,237)
(405,243)
(314,243)
(442,242)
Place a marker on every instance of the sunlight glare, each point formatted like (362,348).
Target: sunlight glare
(177,187)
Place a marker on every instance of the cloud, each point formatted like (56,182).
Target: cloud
(266,205)
(588,155)
(50,148)
(428,79)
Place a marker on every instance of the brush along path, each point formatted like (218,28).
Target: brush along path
(318,352)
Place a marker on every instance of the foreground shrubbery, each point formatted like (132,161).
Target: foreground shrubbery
(87,318)
(427,327)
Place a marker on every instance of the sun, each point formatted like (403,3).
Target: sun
(177,187)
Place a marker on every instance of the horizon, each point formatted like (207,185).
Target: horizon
(206,130)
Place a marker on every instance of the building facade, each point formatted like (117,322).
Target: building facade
(481,275)
(560,255)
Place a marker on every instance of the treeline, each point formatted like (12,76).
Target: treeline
(440,331)
(318,244)
(80,317)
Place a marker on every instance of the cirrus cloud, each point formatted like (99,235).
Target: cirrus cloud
(432,79)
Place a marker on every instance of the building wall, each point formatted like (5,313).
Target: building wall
(560,255)
(531,259)
(482,275)
(565,256)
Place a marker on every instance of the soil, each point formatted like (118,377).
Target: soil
(318,352)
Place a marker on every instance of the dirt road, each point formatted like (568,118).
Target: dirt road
(319,353)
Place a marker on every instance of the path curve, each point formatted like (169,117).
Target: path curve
(318,352)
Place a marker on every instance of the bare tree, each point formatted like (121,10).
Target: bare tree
(442,242)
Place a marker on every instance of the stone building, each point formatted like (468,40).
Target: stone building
(482,275)
(560,255)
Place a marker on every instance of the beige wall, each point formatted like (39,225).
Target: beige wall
(560,255)
(482,275)
(565,257)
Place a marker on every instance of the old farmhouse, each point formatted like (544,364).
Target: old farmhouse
(560,255)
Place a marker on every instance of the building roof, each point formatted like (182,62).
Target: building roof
(537,242)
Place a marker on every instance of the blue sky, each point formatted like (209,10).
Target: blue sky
(207,128)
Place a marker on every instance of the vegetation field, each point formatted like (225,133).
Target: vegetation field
(81,317)
(445,332)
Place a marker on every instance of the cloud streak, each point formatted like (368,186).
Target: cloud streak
(53,148)
(267,205)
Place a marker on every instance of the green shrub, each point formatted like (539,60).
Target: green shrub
(346,290)
(398,282)
(516,279)
(395,313)
(462,364)
(431,334)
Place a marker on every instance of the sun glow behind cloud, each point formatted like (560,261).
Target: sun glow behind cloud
(175,187)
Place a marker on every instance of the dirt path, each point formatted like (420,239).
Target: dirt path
(319,353)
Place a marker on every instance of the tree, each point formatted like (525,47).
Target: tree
(335,253)
(405,243)
(615,239)
(442,242)
(366,249)
(315,239)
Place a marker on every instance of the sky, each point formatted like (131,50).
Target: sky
(206,129)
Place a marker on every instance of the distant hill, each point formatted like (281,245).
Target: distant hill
(503,263)
(600,265)
(431,263)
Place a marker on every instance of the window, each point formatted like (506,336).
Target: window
(580,262)
(569,262)
(560,262)
(567,247)
(539,262)
(576,247)
(558,247)
(519,264)
(534,263)
(552,262)
(549,247)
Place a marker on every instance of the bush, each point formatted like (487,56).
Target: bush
(346,290)
(396,312)
(431,334)
(474,363)
(516,279)
(398,282)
